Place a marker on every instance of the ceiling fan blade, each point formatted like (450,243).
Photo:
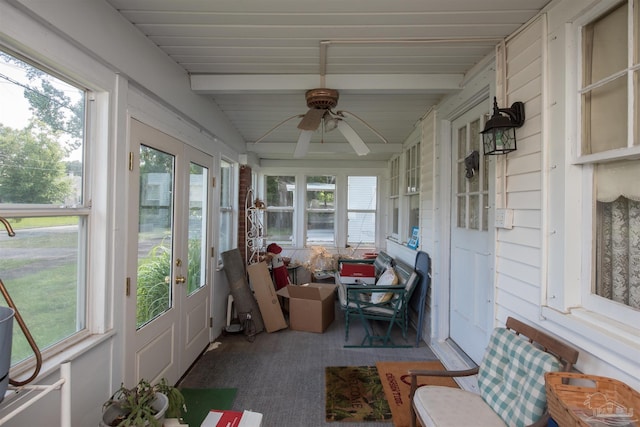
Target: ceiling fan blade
(304,141)
(341,113)
(276,127)
(354,139)
(311,120)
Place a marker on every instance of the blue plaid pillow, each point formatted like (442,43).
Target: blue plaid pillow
(511,377)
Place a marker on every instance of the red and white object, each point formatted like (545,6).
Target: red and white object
(357,273)
(218,418)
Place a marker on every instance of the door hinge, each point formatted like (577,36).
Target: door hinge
(213,252)
(130,160)
(211,322)
(128,287)
(213,181)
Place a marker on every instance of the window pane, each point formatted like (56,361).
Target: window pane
(605,45)
(394,189)
(361,215)
(320,227)
(197,254)
(225,215)
(279,218)
(462,212)
(225,184)
(462,142)
(604,112)
(474,212)
(362,192)
(395,214)
(617,275)
(474,132)
(320,209)
(41,136)
(280,190)
(414,212)
(155,235)
(226,231)
(42,271)
(279,226)
(361,228)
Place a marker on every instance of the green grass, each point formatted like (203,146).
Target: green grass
(47,301)
(36,222)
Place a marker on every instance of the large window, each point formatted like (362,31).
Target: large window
(609,100)
(279,220)
(226,207)
(394,194)
(44,196)
(320,210)
(361,210)
(412,179)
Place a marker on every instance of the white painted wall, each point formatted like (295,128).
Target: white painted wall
(131,78)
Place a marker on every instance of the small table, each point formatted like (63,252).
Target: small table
(292,269)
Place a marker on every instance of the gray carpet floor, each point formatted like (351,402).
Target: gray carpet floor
(281,374)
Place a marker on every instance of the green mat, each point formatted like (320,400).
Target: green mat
(200,401)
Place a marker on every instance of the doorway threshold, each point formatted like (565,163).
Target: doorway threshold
(453,358)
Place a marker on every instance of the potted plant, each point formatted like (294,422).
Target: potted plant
(142,405)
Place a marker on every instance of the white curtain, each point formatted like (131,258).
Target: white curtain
(618,233)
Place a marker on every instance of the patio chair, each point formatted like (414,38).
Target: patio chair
(358,301)
(510,380)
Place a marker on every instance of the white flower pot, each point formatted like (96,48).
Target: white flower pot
(160,404)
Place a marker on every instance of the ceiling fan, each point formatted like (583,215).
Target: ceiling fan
(321,102)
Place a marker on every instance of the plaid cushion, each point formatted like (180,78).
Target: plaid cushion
(511,377)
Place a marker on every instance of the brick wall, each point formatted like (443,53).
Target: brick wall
(245,183)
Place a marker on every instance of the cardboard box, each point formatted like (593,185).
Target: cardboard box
(216,418)
(311,306)
(265,292)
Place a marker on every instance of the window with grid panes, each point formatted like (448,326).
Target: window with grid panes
(394,194)
(279,218)
(412,178)
(609,96)
(45,197)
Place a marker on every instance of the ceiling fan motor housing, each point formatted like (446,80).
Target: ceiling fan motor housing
(322,98)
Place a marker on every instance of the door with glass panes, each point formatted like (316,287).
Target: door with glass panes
(169,264)
(471,294)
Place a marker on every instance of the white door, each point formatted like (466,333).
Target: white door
(471,296)
(168,290)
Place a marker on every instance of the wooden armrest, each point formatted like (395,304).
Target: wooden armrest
(443,373)
(415,373)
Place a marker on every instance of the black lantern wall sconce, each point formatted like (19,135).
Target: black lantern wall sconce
(499,134)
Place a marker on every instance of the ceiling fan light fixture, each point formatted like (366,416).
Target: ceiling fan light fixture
(330,122)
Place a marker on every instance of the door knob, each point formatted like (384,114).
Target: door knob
(180,280)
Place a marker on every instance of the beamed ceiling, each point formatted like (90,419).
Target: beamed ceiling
(391,61)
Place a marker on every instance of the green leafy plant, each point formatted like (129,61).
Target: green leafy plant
(177,404)
(135,404)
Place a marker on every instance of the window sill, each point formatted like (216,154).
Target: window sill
(51,365)
(611,342)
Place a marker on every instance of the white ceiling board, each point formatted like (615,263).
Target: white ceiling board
(391,61)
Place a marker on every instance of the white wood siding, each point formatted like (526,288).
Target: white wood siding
(429,239)
(518,251)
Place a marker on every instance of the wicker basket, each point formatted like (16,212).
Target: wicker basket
(588,395)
